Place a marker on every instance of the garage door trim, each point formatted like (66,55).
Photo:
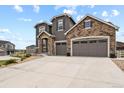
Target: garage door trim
(92,37)
(60,41)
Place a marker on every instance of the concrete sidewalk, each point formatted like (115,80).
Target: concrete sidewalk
(8,57)
(56,71)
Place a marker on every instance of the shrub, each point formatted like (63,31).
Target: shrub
(10,61)
(28,55)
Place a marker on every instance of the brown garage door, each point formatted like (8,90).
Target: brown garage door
(95,48)
(61,48)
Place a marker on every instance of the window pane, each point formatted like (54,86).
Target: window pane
(101,41)
(63,43)
(83,41)
(42,28)
(76,42)
(93,41)
(60,24)
(57,43)
(87,24)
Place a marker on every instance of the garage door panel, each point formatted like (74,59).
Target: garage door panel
(101,48)
(83,52)
(94,48)
(61,48)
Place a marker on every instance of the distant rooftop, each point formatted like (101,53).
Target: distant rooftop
(4,42)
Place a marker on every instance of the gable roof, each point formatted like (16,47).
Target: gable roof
(5,42)
(64,14)
(88,15)
(45,33)
(41,24)
(31,46)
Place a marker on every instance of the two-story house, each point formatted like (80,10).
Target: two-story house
(31,49)
(6,47)
(90,36)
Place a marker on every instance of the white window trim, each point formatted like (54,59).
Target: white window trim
(60,30)
(41,28)
(87,27)
(60,20)
(58,42)
(96,37)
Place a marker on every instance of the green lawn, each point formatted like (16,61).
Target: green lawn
(7,62)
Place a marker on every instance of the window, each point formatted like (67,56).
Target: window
(42,28)
(58,43)
(83,41)
(87,24)
(63,43)
(101,41)
(60,25)
(76,42)
(93,41)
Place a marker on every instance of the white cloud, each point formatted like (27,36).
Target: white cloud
(65,6)
(68,11)
(25,19)
(115,12)
(104,13)
(36,8)
(58,7)
(94,13)
(110,14)
(4,30)
(91,6)
(18,8)
(79,17)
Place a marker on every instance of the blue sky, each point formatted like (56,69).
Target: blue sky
(17,22)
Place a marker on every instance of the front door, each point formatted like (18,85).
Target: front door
(44,45)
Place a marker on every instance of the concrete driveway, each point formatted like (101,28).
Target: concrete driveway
(56,71)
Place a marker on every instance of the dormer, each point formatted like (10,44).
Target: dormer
(40,27)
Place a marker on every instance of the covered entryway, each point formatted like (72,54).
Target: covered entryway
(61,48)
(94,47)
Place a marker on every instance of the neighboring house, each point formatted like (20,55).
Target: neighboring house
(20,51)
(7,46)
(31,49)
(2,52)
(120,49)
(90,36)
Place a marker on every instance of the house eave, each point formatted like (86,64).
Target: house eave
(46,33)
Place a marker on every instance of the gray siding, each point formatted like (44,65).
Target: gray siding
(67,24)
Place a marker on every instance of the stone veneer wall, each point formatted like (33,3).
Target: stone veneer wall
(50,44)
(98,29)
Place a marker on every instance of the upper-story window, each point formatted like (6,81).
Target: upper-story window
(87,24)
(42,28)
(60,24)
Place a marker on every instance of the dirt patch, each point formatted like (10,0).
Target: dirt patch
(119,63)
